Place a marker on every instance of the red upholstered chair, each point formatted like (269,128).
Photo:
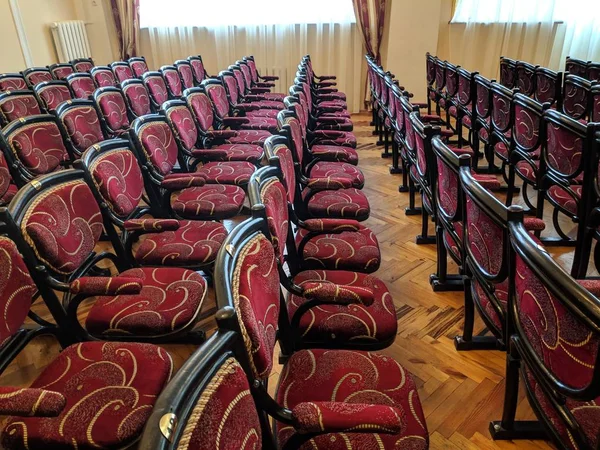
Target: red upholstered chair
(258,80)
(466,97)
(323,85)
(186,73)
(111,104)
(576,97)
(12,82)
(138,65)
(61,71)
(317,382)
(187,137)
(50,94)
(82,64)
(501,137)
(34,146)
(8,188)
(430,69)
(35,75)
(72,401)
(222,145)
(57,223)
(482,109)
(548,87)
(555,341)
(136,97)
(508,72)
(451,94)
(198,69)
(525,74)
(177,194)
(18,104)
(263,92)
(83,123)
(576,66)
(103,76)
(122,71)
(593,73)
(263,104)
(82,85)
(115,178)
(157,88)
(440,85)
(595,94)
(172,80)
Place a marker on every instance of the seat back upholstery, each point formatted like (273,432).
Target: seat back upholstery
(245,69)
(526,133)
(595,94)
(279,155)
(7,187)
(451,82)
(197,69)
(18,104)
(157,88)
(565,144)
(508,72)
(430,66)
(466,91)
(82,85)
(83,64)
(231,86)
(502,117)
(218,96)
(122,71)
(548,86)
(423,157)
(52,93)
(137,97)
(83,123)
(185,72)
(183,124)
(201,107)
(252,66)
(593,73)
(440,76)
(576,66)
(172,80)
(155,143)
(103,76)
(290,125)
(576,97)
(35,75)
(12,82)
(61,71)
(483,100)
(526,78)
(138,65)
(113,109)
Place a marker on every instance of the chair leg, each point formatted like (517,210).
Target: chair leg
(373,113)
(381,130)
(395,168)
(404,186)
(583,248)
(386,142)
(441,281)
(467,341)
(424,238)
(412,192)
(510,185)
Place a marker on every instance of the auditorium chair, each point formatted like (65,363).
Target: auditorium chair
(84,124)
(555,323)
(50,94)
(12,82)
(576,67)
(172,81)
(526,78)
(112,172)
(137,98)
(138,65)
(548,87)
(482,108)
(257,79)
(593,73)
(73,400)
(82,64)
(122,71)
(430,69)
(263,105)
(502,119)
(82,85)
(186,73)
(451,95)
(157,88)
(508,72)
(576,100)
(176,194)
(61,71)
(18,104)
(103,76)
(264,92)
(466,97)
(314,383)
(186,135)
(8,188)
(198,69)
(34,146)
(111,104)
(56,224)
(440,85)
(35,75)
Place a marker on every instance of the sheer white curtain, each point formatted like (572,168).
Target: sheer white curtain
(277,41)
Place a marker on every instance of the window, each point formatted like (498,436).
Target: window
(216,13)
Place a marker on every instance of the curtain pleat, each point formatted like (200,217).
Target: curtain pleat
(126,15)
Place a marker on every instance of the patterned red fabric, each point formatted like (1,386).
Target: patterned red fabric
(256,297)
(173,82)
(60,73)
(564,199)
(338,294)
(18,106)
(110,389)
(38,146)
(202,108)
(337,138)
(274,198)
(138,99)
(575,102)
(564,149)
(225,415)
(118,285)
(335,153)
(454,247)
(83,87)
(348,250)
(527,128)
(63,226)
(123,72)
(194,242)
(83,66)
(316,417)
(254,137)
(5,180)
(263,113)
(159,145)
(170,300)
(205,201)
(500,292)
(113,108)
(185,71)
(178,181)
(287,169)
(151,225)
(12,83)
(38,76)
(343,324)
(8,195)
(342,203)
(231,152)
(329,183)
(30,402)
(83,126)
(198,68)
(355,378)
(227,172)
(54,95)
(331,225)
(139,67)
(184,126)
(261,123)
(341,126)
(157,88)
(218,96)
(486,239)
(338,170)
(104,77)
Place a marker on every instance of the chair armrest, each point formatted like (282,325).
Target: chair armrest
(265,85)
(106,286)
(534,224)
(325,84)
(337,225)
(338,294)
(591,285)
(334,417)
(235,121)
(269,77)
(151,225)
(489,182)
(419,105)
(254,98)
(30,402)
(329,183)
(221,134)
(246,107)
(260,90)
(430,118)
(446,132)
(326,90)
(210,154)
(326,77)
(182,182)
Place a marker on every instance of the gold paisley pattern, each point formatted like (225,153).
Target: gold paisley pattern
(138,98)
(38,76)
(12,83)
(113,108)
(157,88)
(83,86)
(122,72)
(54,95)
(17,106)
(83,126)
(104,77)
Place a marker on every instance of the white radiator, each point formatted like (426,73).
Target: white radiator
(70,39)
(283,84)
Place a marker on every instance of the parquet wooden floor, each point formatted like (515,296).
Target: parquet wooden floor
(460,392)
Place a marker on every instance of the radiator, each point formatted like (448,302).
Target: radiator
(283,84)
(70,39)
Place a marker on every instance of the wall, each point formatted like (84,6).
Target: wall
(100,28)
(12,57)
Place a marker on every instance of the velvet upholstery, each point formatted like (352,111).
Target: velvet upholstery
(12,82)
(114,110)
(83,126)
(83,66)
(122,71)
(53,95)
(138,66)
(341,204)
(227,172)
(158,143)
(205,201)
(157,88)
(119,285)
(103,77)
(137,98)
(29,402)
(173,81)
(83,86)
(16,106)
(38,76)
(61,72)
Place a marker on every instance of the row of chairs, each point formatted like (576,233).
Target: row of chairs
(522,295)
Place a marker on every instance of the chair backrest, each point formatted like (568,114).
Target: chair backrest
(430,67)
(82,85)
(576,97)
(122,71)
(155,143)
(35,75)
(548,86)
(593,73)
(527,127)
(197,68)
(483,92)
(508,72)
(279,155)
(231,86)
(83,64)
(52,93)
(595,94)
(137,97)
(526,78)
(440,76)
(82,121)
(36,145)
(218,96)
(103,76)
(466,91)
(138,65)
(61,71)
(7,186)
(246,73)
(12,82)
(186,73)
(576,66)
(172,80)
(451,80)
(502,112)
(18,104)
(448,184)
(201,107)
(183,124)
(423,156)
(252,65)
(113,109)
(157,88)
(290,125)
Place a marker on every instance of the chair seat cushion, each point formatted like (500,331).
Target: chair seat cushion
(335,153)
(9,194)
(341,204)
(526,171)
(110,389)
(566,201)
(194,242)
(227,172)
(344,126)
(254,137)
(352,377)
(263,113)
(274,96)
(235,152)
(326,169)
(268,104)
(350,250)
(346,139)
(170,300)
(261,123)
(208,201)
(336,95)
(336,114)
(333,103)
